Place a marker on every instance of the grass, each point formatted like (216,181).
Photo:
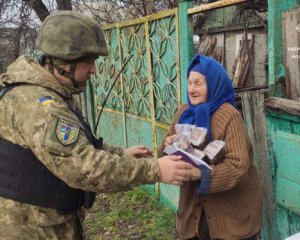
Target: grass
(129,215)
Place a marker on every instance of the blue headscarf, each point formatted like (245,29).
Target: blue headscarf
(219,91)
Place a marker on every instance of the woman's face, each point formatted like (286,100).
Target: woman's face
(197,88)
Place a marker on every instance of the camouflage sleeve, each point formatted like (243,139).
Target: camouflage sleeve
(113,149)
(56,137)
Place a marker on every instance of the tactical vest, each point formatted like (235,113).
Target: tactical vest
(25,179)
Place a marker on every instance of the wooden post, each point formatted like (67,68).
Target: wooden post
(185,28)
(254,117)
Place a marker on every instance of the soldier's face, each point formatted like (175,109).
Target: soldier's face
(83,72)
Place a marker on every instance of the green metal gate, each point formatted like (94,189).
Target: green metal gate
(146,96)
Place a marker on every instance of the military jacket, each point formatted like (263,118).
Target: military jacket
(38,118)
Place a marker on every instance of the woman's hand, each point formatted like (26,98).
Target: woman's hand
(169,140)
(139,151)
(195,174)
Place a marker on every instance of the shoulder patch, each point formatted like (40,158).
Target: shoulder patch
(66,131)
(46,100)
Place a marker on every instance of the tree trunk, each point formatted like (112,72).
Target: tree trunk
(64,4)
(149,7)
(41,10)
(39,7)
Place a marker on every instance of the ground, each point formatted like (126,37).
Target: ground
(132,215)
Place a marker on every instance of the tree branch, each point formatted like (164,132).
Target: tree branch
(64,4)
(39,7)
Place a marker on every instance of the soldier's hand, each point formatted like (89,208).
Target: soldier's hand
(169,140)
(139,151)
(175,171)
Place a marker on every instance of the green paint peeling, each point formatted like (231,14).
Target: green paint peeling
(276,60)
(283,134)
(284,144)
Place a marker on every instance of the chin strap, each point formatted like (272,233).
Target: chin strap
(54,63)
(70,74)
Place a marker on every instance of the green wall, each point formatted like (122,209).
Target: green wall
(283,132)
(276,62)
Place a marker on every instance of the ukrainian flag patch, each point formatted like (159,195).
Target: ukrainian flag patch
(66,131)
(46,100)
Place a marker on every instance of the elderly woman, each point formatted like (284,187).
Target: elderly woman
(226,202)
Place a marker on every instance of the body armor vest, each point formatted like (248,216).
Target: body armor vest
(25,179)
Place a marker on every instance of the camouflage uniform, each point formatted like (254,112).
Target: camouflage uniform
(31,116)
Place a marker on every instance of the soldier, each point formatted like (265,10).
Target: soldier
(49,166)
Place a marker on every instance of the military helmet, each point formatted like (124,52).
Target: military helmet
(69,35)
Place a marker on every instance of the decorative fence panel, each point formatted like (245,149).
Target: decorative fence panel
(146,95)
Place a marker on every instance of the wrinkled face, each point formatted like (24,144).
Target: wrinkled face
(197,88)
(83,72)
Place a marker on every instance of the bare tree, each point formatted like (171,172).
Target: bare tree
(39,8)
(18,23)
(17,26)
(20,18)
(64,4)
(122,10)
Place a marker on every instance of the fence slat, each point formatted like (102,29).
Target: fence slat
(254,116)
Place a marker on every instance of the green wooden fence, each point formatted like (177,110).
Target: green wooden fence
(283,132)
